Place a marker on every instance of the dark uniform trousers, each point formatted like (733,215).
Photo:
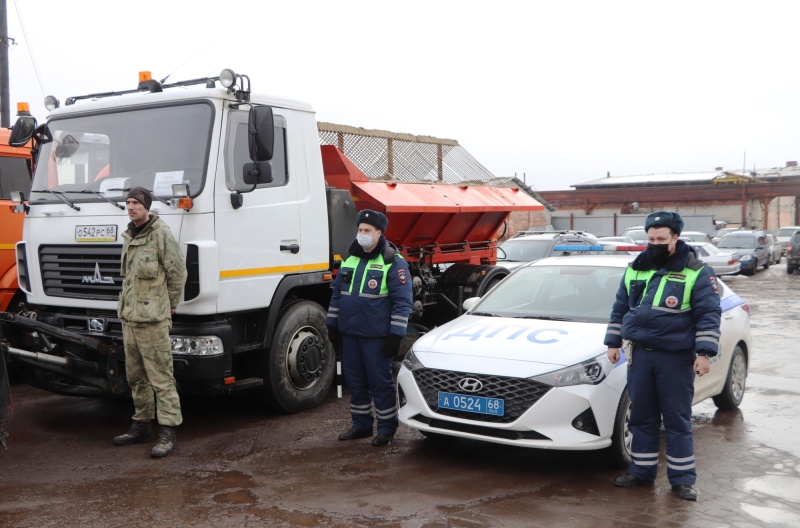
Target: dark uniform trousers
(365,366)
(661,383)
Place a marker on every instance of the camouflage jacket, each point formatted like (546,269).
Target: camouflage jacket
(153,273)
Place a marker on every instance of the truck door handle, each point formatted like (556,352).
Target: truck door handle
(294,248)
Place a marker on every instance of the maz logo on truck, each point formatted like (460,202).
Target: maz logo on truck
(97,278)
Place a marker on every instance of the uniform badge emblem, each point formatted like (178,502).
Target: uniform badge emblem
(401,276)
(714,285)
(372,284)
(671,301)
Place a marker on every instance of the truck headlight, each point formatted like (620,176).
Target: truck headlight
(196,345)
(590,372)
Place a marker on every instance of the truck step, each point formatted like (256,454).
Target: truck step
(247,383)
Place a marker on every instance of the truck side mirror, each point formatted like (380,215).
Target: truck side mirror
(22,132)
(257,173)
(261,137)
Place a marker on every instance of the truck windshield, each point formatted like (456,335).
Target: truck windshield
(105,155)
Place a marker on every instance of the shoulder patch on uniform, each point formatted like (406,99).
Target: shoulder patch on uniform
(714,285)
(401,275)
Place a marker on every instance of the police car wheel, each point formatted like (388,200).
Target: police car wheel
(299,367)
(733,391)
(618,454)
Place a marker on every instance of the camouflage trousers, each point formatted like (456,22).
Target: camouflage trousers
(148,365)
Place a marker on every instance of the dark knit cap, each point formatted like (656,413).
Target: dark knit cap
(664,219)
(373,218)
(141,195)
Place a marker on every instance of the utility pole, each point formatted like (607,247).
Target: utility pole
(5,115)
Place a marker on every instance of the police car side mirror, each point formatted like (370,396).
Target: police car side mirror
(470,303)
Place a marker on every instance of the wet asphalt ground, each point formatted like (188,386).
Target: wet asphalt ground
(238,465)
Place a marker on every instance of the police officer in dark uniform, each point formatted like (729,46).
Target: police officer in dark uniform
(668,307)
(367,318)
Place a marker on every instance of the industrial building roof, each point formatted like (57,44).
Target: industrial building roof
(691,178)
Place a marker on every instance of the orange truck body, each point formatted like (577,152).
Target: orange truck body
(15,175)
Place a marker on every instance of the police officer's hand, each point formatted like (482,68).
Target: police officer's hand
(335,337)
(391,346)
(613,355)
(702,365)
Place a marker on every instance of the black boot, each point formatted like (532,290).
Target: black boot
(167,442)
(139,432)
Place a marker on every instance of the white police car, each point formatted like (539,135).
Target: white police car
(526,364)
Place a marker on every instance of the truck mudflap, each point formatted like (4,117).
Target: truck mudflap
(87,362)
(6,406)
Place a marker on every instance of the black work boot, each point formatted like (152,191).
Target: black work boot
(139,432)
(167,442)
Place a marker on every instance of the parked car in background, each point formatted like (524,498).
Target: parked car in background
(722,262)
(793,253)
(524,248)
(775,249)
(637,233)
(526,365)
(783,234)
(695,236)
(722,232)
(616,241)
(751,246)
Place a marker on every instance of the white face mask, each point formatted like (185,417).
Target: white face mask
(364,240)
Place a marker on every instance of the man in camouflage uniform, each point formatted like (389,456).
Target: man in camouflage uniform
(154,272)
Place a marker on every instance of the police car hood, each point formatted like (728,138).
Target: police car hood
(509,346)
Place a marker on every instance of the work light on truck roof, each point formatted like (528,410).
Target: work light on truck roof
(227,78)
(51,103)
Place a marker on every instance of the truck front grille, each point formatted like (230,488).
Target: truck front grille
(88,272)
(518,394)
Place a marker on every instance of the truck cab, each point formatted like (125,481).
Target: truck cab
(253,227)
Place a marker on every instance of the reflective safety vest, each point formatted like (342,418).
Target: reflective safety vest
(677,285)
(377,263)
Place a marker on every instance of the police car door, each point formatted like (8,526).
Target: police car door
(254,240)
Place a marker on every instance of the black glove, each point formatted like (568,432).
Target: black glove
(335,338)
(391,346)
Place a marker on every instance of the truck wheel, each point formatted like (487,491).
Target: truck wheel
(733,391)
(619,452)
(300,363)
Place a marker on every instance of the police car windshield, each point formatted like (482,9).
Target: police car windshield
(523,250)
(564,293)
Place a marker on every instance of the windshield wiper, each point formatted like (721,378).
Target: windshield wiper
(543,317)
(484,314)
(60,195)
(101,195)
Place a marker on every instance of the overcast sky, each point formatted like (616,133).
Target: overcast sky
(562,91)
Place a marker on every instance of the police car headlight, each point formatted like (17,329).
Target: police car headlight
(590,372)
(196,345)
(411,362)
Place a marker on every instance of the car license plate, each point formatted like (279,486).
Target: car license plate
(96,233)
(475,404)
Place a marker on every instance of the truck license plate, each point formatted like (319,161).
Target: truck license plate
(475,404)
(96,233)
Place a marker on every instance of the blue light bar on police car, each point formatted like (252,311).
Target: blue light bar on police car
(599,248)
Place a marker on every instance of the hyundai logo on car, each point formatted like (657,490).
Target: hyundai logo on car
(470,385)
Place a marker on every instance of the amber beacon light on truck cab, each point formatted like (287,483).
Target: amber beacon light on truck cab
(264,215)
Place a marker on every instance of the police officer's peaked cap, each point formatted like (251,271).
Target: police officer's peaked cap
(664,219)
(373,218)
